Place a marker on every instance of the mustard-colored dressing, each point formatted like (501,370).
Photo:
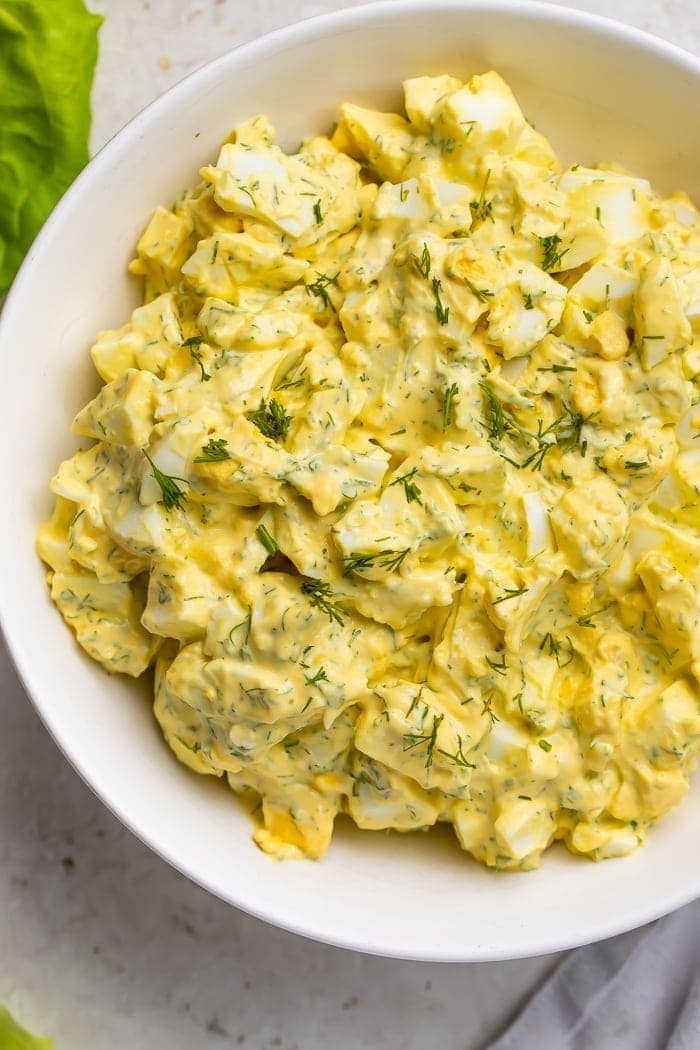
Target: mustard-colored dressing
(395,477)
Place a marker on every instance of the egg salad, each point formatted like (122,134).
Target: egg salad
(394,477)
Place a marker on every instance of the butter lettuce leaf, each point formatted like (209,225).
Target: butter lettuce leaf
(14,1037)
(48,50)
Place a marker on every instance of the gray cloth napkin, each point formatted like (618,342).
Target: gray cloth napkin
(639,991)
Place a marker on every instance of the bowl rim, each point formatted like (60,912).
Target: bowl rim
(286,37)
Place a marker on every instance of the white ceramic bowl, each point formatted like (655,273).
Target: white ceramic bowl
(599,91)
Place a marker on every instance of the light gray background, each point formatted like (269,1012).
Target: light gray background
(101,944)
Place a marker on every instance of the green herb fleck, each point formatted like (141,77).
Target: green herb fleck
(193,344)
(214,451)
(411,490)
(320,595)
(459,758)
(482,294)
(450,396)
(173,495)
(271,419)
(482,208)
(510,592)
(384,559)
(422,264)
(320,286)
(442,312)
(500,668)
(266,539)
(413,740)
(320,676)
(552,254)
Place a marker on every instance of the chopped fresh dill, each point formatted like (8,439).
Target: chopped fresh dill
(320,286)
(586,621)
(482,294)
(320,595)
(193,344)
(271,419)
(411,490)
(482,208)
(487,708)
(423,264)
(450,396)
(215,451)
(497,419)
(552,254)
(385,559)
(500,668)
(442,312)
(558,650)
(557,368)
(459,758)
(268,542)
(510,592)
(429,740)
(318,215)
(320,676)
(173,495)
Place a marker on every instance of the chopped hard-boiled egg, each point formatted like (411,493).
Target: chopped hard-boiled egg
(394,478)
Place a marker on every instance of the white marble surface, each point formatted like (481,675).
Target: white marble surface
(101,944)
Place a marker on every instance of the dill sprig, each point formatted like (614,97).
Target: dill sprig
(215,451)
(411,490)
(500,668)
(510,592)
(423,264)
(552,254)
(482,294)
(587,620)
(442,312)
(173,495)
(552,647)
(564,431)
(459,758)
(385,559)
(429,740)
(497,419)
(449,398)
(487,707)
(271,419)
(569,426)
(193,344)
(320,595)
(320,676)
(268,541)
(482,208)
(320,287)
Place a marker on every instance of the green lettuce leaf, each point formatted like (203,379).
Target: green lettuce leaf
(48,50)
(14,1037)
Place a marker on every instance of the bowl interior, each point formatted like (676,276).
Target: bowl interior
(599,92)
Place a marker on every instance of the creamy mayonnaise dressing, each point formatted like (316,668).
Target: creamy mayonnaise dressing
(395,477)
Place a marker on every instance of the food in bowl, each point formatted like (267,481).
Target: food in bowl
(394,479)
